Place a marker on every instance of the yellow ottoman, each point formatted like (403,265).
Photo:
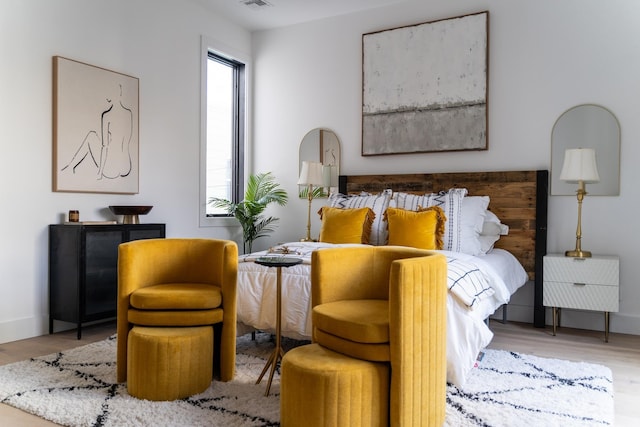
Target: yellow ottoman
(319,387)
(169,363)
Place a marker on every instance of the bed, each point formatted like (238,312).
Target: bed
(517,201)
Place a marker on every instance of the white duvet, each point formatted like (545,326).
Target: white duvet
(478,286)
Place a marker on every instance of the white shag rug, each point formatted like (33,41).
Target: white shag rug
(78,388)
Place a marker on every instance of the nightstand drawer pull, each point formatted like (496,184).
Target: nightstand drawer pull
(579,284)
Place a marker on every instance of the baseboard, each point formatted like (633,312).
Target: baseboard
(594,320)
(625,323)
(515,313)
(20,329)
(578,319)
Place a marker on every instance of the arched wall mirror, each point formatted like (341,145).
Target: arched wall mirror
(587,126)
(323,146)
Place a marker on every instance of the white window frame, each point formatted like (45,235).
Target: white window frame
(210,45)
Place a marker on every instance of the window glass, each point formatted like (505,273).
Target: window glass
(224,142)
(220,125)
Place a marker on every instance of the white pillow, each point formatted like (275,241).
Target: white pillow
(493,226)
(492,229)
(378,204)
(487,242)
(471,222)
(450,201)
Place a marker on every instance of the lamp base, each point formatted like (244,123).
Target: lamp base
(578,254)
(308,240)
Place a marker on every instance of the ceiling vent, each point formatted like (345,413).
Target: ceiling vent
(255,4)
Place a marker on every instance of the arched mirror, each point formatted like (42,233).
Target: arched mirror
(323,146)
(587,126)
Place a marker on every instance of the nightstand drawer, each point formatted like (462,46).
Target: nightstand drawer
(602,271)
(584,297)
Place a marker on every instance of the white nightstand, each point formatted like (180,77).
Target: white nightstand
(581,283)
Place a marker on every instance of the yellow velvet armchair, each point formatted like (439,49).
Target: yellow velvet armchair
(387,304)
(179,282)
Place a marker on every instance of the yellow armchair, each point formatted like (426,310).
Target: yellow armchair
(179,282)
(387,304)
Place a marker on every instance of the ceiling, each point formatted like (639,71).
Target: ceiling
(256,15)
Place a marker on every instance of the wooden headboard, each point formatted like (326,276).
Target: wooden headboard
(518,198)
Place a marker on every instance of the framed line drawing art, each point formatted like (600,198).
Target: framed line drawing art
(95,129)
(425,87)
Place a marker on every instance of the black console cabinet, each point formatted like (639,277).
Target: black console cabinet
(83,275)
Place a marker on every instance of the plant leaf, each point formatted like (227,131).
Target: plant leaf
(262,190)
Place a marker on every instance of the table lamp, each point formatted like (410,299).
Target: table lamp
(579,167)
(311,176)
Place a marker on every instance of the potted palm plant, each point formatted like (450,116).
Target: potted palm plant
(262,190)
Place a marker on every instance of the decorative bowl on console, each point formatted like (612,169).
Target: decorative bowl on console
(130,213)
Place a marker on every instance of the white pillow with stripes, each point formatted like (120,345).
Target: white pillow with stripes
(378,204)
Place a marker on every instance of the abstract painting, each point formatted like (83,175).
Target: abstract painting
(424,87)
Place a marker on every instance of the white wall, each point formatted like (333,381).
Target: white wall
(545,57)
(157,41)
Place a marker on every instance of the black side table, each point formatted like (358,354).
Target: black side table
(278,352)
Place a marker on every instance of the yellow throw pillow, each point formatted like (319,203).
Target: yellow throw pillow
(346,225)
(422,229)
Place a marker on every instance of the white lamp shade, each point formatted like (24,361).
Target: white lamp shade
(311,174)
(580,165)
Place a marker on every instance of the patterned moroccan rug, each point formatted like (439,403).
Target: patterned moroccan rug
(77,388)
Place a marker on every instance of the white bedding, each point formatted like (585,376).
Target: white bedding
(467,332)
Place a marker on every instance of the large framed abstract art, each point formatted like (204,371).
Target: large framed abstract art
(95,129)
(425,87)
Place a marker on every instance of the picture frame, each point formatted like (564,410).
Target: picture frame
(95,129)
(425,87)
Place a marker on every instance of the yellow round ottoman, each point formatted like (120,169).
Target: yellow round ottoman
(169,363)
(320,387)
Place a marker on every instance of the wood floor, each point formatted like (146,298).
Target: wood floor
(621,354)
(40,346)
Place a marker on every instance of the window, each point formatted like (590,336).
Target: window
(223,140)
